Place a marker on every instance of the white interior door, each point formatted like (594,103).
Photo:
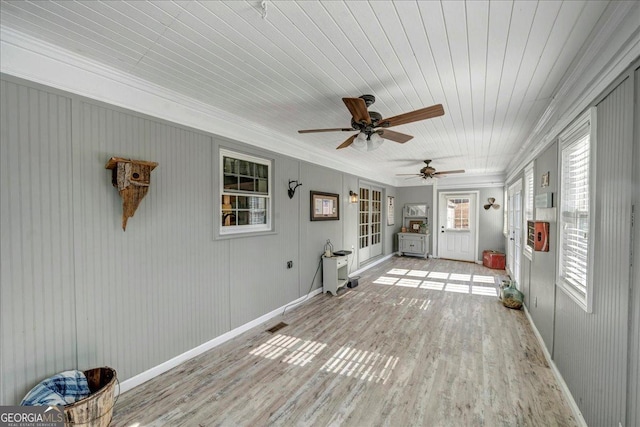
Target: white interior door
(457,226)
(515,231)
(369,223)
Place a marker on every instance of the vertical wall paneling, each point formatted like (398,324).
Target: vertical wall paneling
(259,278)
(590,350)
(38,328)
(542,290)
(633,389)
(315,233)
(152,292)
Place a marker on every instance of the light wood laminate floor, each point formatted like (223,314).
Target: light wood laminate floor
(417,343)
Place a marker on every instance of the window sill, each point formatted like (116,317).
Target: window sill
(572,294)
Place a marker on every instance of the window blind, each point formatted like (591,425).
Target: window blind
(574,214)
(528,206)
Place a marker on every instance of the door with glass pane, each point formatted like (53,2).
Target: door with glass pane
(515,231)
(456,219)
(369,223)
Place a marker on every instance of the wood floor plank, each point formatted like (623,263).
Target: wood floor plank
(418,342)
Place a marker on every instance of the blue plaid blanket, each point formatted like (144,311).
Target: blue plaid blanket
(61,389)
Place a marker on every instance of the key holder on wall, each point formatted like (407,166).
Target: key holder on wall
(132,179)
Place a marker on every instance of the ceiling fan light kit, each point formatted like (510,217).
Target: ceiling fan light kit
(371,126)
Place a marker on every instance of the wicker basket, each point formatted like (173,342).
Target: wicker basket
(96,409)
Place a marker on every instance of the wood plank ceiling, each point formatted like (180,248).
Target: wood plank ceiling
(493,65)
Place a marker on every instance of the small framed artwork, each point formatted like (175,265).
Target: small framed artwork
(545,179)
(390,212)
(324,206)
(414,226)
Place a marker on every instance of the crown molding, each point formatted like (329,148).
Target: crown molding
(33,59)
(604,56)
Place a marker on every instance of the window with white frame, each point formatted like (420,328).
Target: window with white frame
(505,213)
(528,206)
(245,193)
(576,213)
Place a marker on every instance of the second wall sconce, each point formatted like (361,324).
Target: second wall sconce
(353,197)
(292,190)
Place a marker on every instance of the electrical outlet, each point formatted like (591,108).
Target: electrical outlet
(289,264)
(353,248)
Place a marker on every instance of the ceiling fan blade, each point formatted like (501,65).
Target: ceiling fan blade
(348,142)
(414,116)
(358,109)
(326,130)
(408,174)
(448,172)
(395,136)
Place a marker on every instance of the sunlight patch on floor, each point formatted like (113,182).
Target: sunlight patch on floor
(417,273)
(383,280)
(460,277)
(457,287)
(436,286)
(300,351)
(475,284)
(362,364)
(484,279)
(399,271)
(410,283)
(438,275)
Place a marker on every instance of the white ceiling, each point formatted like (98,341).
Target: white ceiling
(495,66)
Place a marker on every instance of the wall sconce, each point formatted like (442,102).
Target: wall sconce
(292,190)
(353,197)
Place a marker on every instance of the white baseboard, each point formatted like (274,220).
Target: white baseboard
(563,385)
(172,363)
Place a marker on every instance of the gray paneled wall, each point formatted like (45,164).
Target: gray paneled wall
(633,401)
(590,349)
(37,292)
(77,292)
(542,290)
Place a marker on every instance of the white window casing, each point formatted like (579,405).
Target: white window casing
(245,193)
(576,209)
(528,206)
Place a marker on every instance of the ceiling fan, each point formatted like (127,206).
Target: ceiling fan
(372,128)
(430,172)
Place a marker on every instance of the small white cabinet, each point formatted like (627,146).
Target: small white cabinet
(335,273)
(413,244)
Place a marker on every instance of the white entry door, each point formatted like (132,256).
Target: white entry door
(514,252)
(457,226)
(370,223)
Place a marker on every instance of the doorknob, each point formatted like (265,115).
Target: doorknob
(510,238)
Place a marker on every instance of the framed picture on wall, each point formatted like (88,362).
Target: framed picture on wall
(324,206)
(390,207)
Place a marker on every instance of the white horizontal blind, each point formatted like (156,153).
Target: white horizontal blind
(575,212)
(528,205)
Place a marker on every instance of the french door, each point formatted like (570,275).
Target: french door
(515,231)
(369,223)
